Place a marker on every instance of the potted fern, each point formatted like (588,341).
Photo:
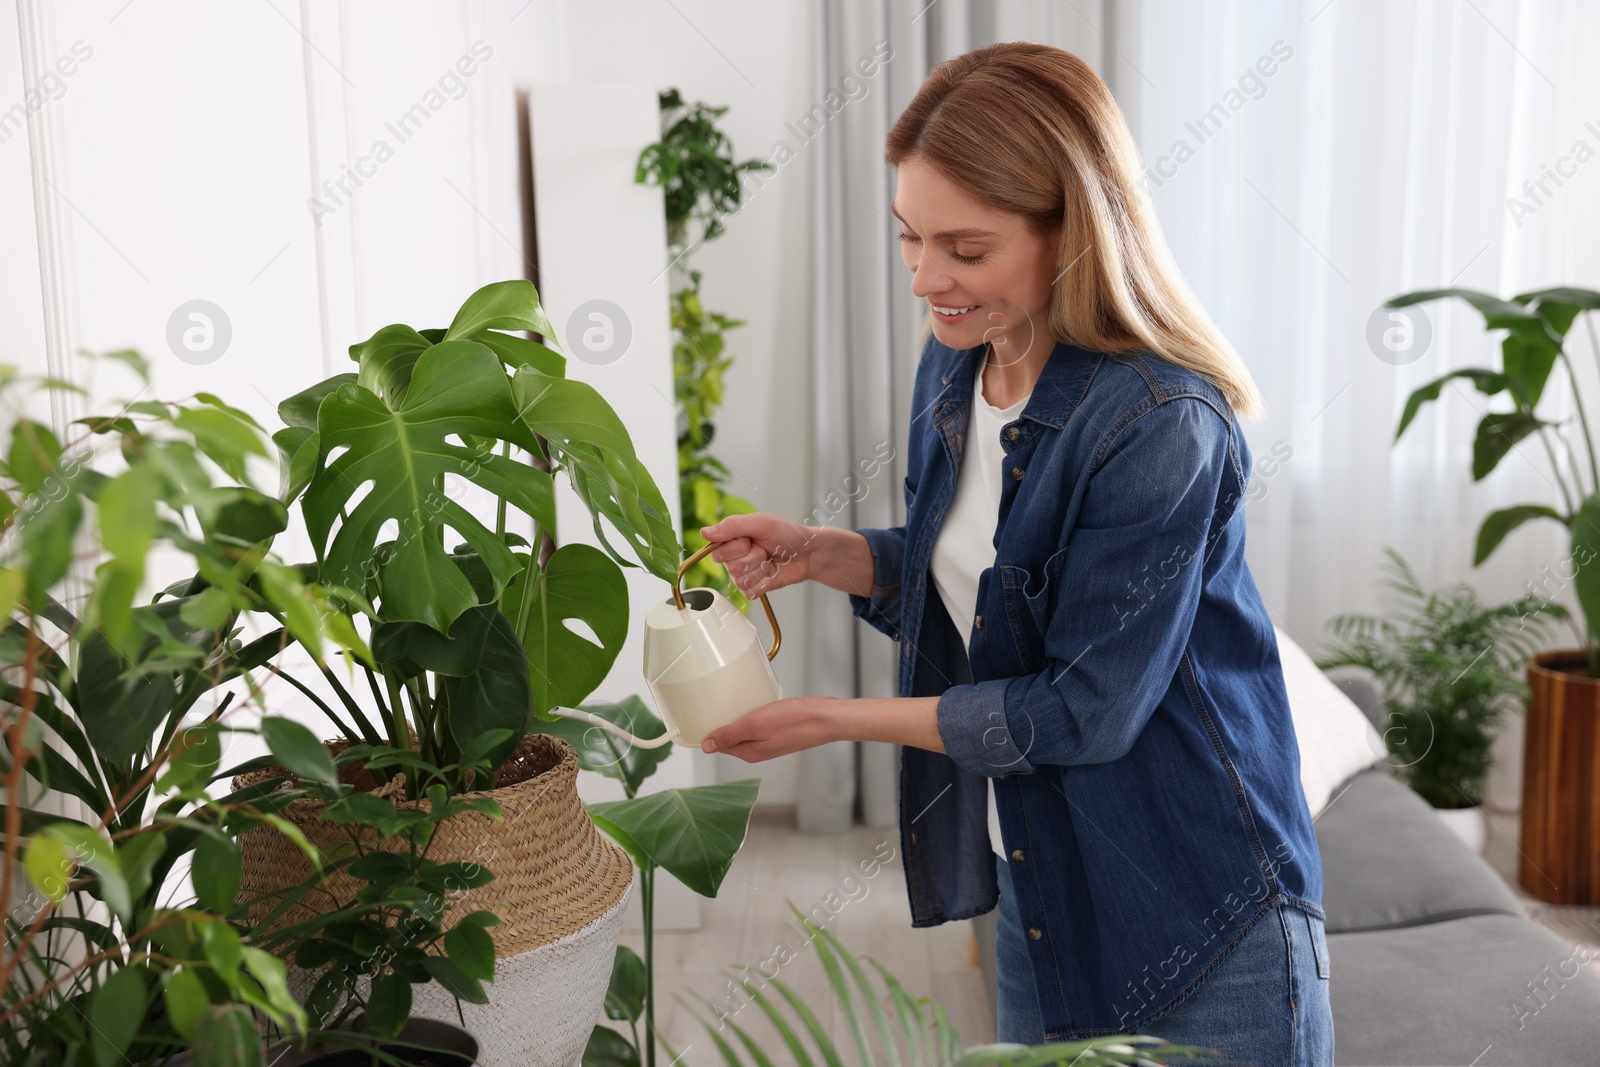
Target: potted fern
(1446,664)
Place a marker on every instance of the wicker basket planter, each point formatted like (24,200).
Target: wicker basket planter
(560,889)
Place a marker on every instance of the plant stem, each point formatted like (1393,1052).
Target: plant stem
(339,723)
(647,885)
(398,736)
(1583,419)
(500,501)
(1555,468)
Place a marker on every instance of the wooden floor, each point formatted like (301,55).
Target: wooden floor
(750,924)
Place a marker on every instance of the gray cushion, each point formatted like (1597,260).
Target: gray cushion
(1449,993)
(1388,861)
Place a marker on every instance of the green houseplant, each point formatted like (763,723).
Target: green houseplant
(476,631)
(1445,663)
(1557,853)
(102,707)
(694,163)
(1537,325)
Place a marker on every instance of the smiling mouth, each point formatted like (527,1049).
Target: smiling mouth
(951,312)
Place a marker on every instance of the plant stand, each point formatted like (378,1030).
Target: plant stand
(1561,782)
(560,889)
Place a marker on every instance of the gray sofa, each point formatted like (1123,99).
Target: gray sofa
(1433,958)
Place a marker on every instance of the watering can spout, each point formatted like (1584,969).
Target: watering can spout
(637,742)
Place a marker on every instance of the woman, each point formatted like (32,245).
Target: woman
(1096,678)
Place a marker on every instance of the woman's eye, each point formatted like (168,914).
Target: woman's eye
(958,257)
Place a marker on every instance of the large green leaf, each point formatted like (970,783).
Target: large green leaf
(577,583)
(495,696)
(1499,523)
(1497,313)
(415,646)
(1528,357)
(508,305)
(593,446)
(1488,382)
(457,388)
(387,359)
(1498,432)
(119,702)
(602,751)
(693,833)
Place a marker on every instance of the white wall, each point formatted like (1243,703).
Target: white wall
(194,151)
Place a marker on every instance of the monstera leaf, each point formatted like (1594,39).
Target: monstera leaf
(578,583)
(456,388)
(594,449)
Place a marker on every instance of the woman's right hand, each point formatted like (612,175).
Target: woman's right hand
(762,552)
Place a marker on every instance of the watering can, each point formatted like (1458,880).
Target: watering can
(703,662)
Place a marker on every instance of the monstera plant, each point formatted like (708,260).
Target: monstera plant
(471,623)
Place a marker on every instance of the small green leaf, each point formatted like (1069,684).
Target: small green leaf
(226,1036)
(607,1048)
(35,453)
(625,995)
(471,948)
(216,873)
(115,1013)
(454,980)
(49,865)
(298,749)
(186,1001)
(389,1005)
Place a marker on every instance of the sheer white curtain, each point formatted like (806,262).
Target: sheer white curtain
(1308,160)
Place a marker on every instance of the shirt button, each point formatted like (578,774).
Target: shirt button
(1016,474)
(1034,932)
(913,837)
(1012,432)
(977,622)
(1016,854)
(1005,776)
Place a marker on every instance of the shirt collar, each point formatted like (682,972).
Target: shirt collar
(1061,385)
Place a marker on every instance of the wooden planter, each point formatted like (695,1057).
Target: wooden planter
(1561,782)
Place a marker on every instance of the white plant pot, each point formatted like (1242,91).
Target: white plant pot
(1467,824)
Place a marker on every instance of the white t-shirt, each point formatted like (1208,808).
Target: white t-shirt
(965,548)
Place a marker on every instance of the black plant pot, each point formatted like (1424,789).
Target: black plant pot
(422,1043)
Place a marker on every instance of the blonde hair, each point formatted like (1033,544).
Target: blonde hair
(1032,130)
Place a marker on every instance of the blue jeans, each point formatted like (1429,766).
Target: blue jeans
(1267,1003)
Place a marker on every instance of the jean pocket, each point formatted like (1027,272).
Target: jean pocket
(1319,943)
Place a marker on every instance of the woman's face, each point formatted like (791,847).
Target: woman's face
(963,254)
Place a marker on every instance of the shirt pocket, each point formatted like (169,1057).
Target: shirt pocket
(1029,602)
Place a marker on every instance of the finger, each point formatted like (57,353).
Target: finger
(731,550)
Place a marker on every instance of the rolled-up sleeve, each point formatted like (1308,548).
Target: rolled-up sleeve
(881,608)
(1129,589)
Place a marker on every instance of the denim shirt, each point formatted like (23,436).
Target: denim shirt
(1121,683)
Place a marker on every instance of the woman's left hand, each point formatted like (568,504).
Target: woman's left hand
(778,728)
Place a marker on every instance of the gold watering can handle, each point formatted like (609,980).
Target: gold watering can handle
(777,635)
